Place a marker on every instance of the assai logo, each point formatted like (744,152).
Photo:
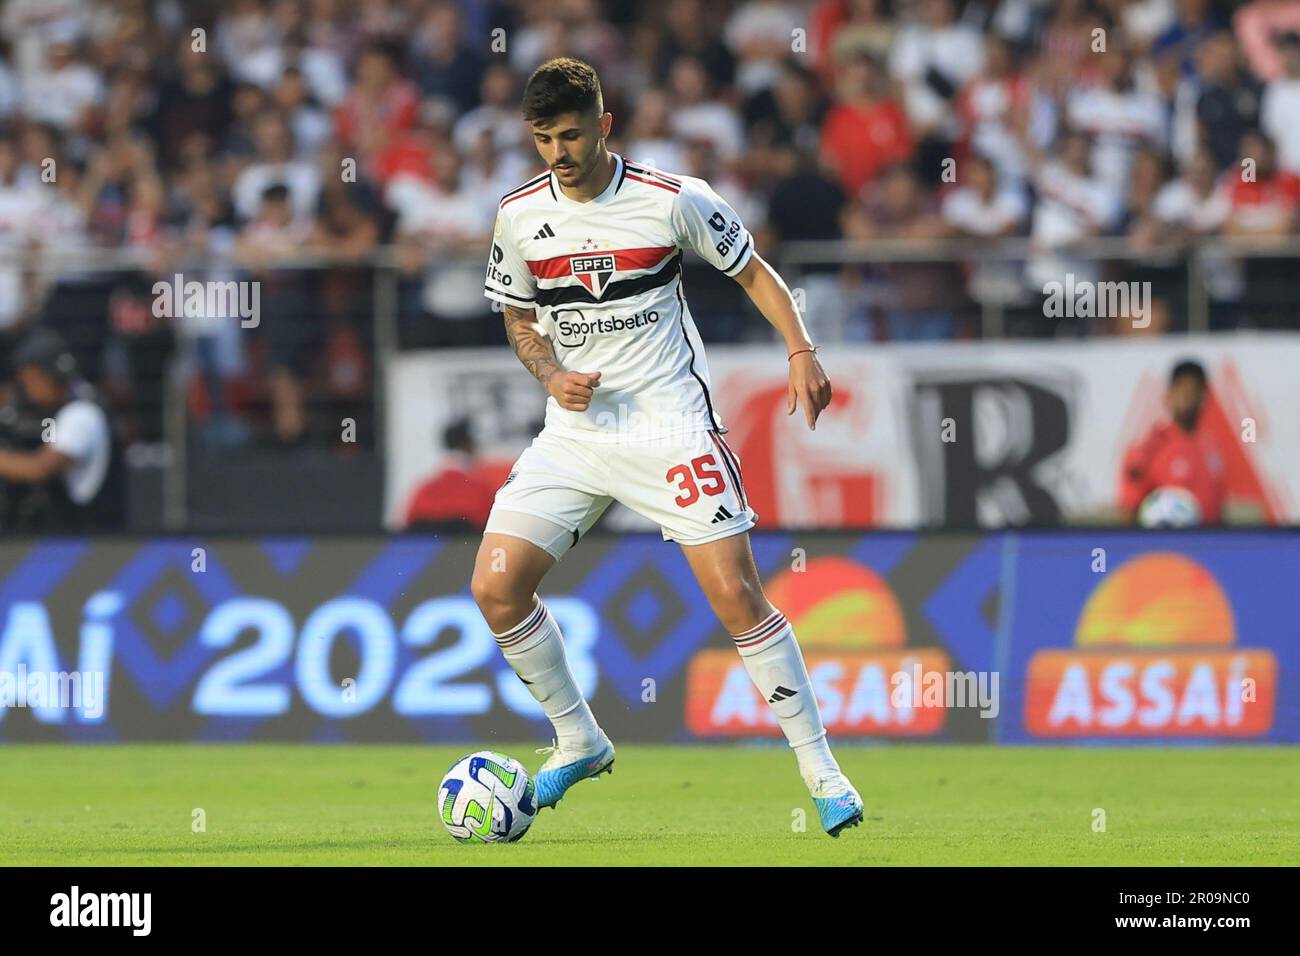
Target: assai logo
(1155,655)
(863,673)
(593,271)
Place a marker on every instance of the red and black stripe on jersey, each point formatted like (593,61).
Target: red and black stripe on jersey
(651,177)
(625,260)
(618,289)
(527,189)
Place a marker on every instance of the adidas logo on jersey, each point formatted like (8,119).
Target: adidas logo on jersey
(722,514)
(546,232)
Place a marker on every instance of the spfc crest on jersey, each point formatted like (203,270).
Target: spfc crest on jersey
(593,271)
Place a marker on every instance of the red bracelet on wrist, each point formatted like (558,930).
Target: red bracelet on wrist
(800,352)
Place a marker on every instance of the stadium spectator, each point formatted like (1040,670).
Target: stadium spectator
(21,226)
(1264,207)
(651,140)
(866,130)
(993,110)
(760,35)
(447,65)
(982,207)
(933,57)
(196,102)
(1146,234)
(1194,206)
(1196,22)
(842,28)
(266,248)
(1073,204)
(434,219)
(308,124)
(807,204)
(690,29)
(276,164)
(698,113)
(381,104)
(789,113)
(1118,116)
(498,111)
(919,302)
(1228,104)
(64,89)
(1280,105)
(1264,199)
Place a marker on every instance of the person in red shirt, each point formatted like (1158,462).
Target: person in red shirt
(866,130)
(1264,207)
(381,103)
(1174,453)
(459,496)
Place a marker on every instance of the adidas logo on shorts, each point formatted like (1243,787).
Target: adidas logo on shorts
(722,514)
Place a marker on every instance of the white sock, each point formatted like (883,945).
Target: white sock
(775,665)
(535,649)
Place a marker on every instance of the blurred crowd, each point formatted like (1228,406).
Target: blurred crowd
(290,141)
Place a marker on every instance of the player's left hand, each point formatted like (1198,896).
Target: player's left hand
(809,386)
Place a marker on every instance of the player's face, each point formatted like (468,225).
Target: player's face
(570,144)
(1185,399)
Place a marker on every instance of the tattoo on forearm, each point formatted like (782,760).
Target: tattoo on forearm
(533,348)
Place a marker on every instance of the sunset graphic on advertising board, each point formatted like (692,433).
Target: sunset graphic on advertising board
(851,627)
(1155,655)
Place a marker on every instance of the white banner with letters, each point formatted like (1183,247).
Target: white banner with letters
(927,435)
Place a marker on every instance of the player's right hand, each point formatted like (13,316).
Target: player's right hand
(573,390)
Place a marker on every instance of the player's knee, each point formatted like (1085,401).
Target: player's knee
(494,593)
(739,604)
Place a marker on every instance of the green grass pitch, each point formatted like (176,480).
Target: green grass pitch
(926,805)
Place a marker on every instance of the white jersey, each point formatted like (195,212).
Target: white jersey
(605,279)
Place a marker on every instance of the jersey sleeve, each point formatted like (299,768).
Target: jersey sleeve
(706,224)
(508,279)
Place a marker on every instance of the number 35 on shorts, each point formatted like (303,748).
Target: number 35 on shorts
(701,476)
(703,493)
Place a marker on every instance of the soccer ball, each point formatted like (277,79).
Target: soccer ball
(487,798)
(1169,507)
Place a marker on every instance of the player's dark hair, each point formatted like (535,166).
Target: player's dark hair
(1188,367)
(562,85)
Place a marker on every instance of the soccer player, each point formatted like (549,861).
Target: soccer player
(1176,453)
(586,260)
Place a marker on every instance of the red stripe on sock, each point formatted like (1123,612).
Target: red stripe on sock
(528,627)
(776,627)
(760,625)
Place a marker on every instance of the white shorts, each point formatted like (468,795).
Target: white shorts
(691,488)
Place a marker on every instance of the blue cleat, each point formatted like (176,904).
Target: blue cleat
(563,769)
(839,806)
